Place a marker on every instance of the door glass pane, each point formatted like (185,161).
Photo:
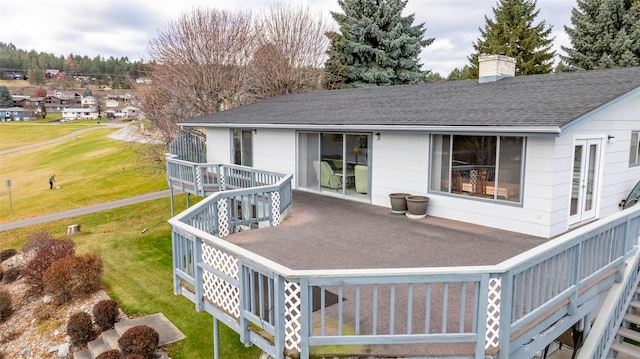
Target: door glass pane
(576,179)
(356,175)
(237,147)
(590,180)
(308,155)
(247,149)
(332,164)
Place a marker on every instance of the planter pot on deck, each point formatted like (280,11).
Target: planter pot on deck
(417,206)
(398,202)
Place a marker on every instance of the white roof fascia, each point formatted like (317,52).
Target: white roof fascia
(543,130)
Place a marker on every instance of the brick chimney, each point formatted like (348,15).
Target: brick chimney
(492,68)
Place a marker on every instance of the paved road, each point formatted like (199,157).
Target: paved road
(85,210)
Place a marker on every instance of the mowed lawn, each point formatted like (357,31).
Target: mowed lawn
(14,135)
(134,242)
(90,168)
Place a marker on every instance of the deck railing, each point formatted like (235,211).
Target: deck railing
(487,310)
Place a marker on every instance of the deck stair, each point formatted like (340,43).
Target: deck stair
(622,343)
(109,339)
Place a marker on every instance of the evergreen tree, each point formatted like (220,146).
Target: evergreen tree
(606,34)
(514,34)
(5,97)
(458,74)
(375,45)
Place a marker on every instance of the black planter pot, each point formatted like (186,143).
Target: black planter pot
(417,206)
(398,202)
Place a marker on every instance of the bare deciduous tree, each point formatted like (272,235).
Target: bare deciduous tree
(198,66)
(291,51)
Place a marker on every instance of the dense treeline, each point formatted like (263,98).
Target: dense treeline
(117,70)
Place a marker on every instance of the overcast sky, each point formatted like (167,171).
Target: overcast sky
(124,28)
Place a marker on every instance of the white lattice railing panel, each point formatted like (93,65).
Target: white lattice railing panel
(218,291)
(223,217)
(275,208)
(493,314)
(292,325)
(199,179)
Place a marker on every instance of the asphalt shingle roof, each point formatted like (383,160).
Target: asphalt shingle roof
(536,100)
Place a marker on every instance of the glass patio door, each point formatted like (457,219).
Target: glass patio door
(336,163)
(584,180)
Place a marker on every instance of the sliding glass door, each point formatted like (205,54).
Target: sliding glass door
(334,162)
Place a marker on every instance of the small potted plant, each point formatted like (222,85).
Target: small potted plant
(398,202)
(417,207)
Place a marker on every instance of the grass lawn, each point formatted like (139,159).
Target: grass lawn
(137,262)
(17,134)
(90,168)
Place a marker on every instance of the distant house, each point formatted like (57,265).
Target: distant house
(17,114)
(111,103)
(534,154)
(143,80)
(88,101)
(124,113)
(77,113)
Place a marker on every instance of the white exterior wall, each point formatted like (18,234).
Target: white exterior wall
(399,164)
(275,150)
(218,145)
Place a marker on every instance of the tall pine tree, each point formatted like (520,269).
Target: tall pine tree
(606,34)
(375,45)
(5,97)
(514,34)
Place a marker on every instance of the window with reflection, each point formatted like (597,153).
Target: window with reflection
(487,167)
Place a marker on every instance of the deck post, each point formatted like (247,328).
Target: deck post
(506,297)
(216,338)
(305,318)
(279,315)
(198,275)
(171,199)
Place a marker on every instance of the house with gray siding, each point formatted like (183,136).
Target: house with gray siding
(537,154)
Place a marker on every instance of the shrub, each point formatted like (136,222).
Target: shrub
(134,356)
(5,305)
(35,241)
(7,253)
(111,354)
(105,313)
(11,275)
(46,255)
(80,328)
(73,277)
(141,339)
(41,312)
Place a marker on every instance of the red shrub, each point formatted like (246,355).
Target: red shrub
(105,313)
(49,253)
(111,354)
(7,253)
(141,339)
(73,277)
(6,307)
(80,328)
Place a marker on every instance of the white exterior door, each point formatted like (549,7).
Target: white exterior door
(585,179)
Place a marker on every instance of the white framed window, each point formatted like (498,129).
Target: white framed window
(634,149)
(488,167)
